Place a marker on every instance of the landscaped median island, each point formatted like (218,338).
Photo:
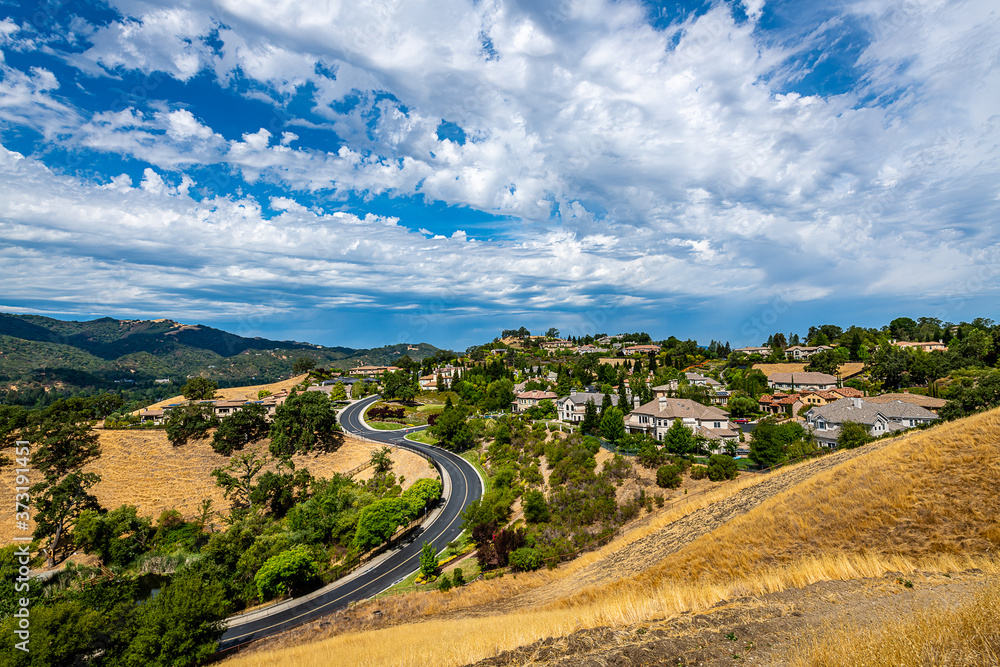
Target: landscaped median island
(397,415)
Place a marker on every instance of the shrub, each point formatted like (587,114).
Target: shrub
(525,559)
(669,476)
(722,466)
(699,472)
(444,583)
(285,573)
(459,576)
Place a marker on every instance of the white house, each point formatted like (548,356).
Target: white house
(826,420)
(571,408)
(657,416)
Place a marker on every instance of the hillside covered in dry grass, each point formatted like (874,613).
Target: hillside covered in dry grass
(920,508)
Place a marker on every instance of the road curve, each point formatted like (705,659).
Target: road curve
(374,577)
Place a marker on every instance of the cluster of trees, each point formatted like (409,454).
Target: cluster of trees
(575,509)
(773,443)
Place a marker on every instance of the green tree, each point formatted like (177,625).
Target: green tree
(237,478)
(888,365)
(452,429)
(853,435)
(62,447)
(117,537)
(741,405)
(669,476)
(678,440)
(303,365)
(591,422)
(180,626)
(536,510)
(338,392)
(428,560)
(189,421)
(241,428)
(378,522)
(199,389)
(721,467)
(769,441)
(395,383)
(290,572)
(825,361)
(305,422)
(613,425)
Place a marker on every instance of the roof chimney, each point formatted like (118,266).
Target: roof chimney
(857,402)
(663,402)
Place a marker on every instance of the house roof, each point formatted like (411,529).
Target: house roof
(865,412)
(537,394)
(581,398)
(680,408)
(698,377)
(928,402)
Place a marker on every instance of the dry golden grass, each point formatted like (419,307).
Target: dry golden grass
(968,634)
(928,493)
(926,502)
(232,393)
(471,639)
(846,370)
(142,468)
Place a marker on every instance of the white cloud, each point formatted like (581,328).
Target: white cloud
(649,162)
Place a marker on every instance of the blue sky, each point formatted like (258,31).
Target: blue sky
(377,172)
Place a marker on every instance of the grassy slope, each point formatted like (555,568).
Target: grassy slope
(924,501)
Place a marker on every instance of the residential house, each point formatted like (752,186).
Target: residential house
(153,416)
(799,352)
(774,404)
(571,408)
(372,371)
(929,346)
(665,390)
(764,351)
(699,380)
(801,381)
(590,349)
(529,399)
(429,382)
(657,416)
(552,345)
(641,349)
(880,418)
(812,398)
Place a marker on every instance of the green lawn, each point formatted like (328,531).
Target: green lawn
(472,456)
(387,426)
(424,436)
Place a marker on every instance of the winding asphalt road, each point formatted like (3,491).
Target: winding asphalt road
(462,485)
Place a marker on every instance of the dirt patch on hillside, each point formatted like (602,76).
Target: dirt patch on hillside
(762,630)
(142,468)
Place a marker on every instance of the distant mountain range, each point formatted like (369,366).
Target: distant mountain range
(105,353)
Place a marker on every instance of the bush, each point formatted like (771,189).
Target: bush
(525,559)
(286,573)
(669,476)
(444,583)
(459,576)
(380,412)
(720,467)
(699,472)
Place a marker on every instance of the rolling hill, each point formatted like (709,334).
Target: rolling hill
(38,351)
(888,548)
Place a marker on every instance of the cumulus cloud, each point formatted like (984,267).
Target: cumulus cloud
(686,160)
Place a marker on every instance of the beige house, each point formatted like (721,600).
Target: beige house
(801,381)
(529,399)
(656,417)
